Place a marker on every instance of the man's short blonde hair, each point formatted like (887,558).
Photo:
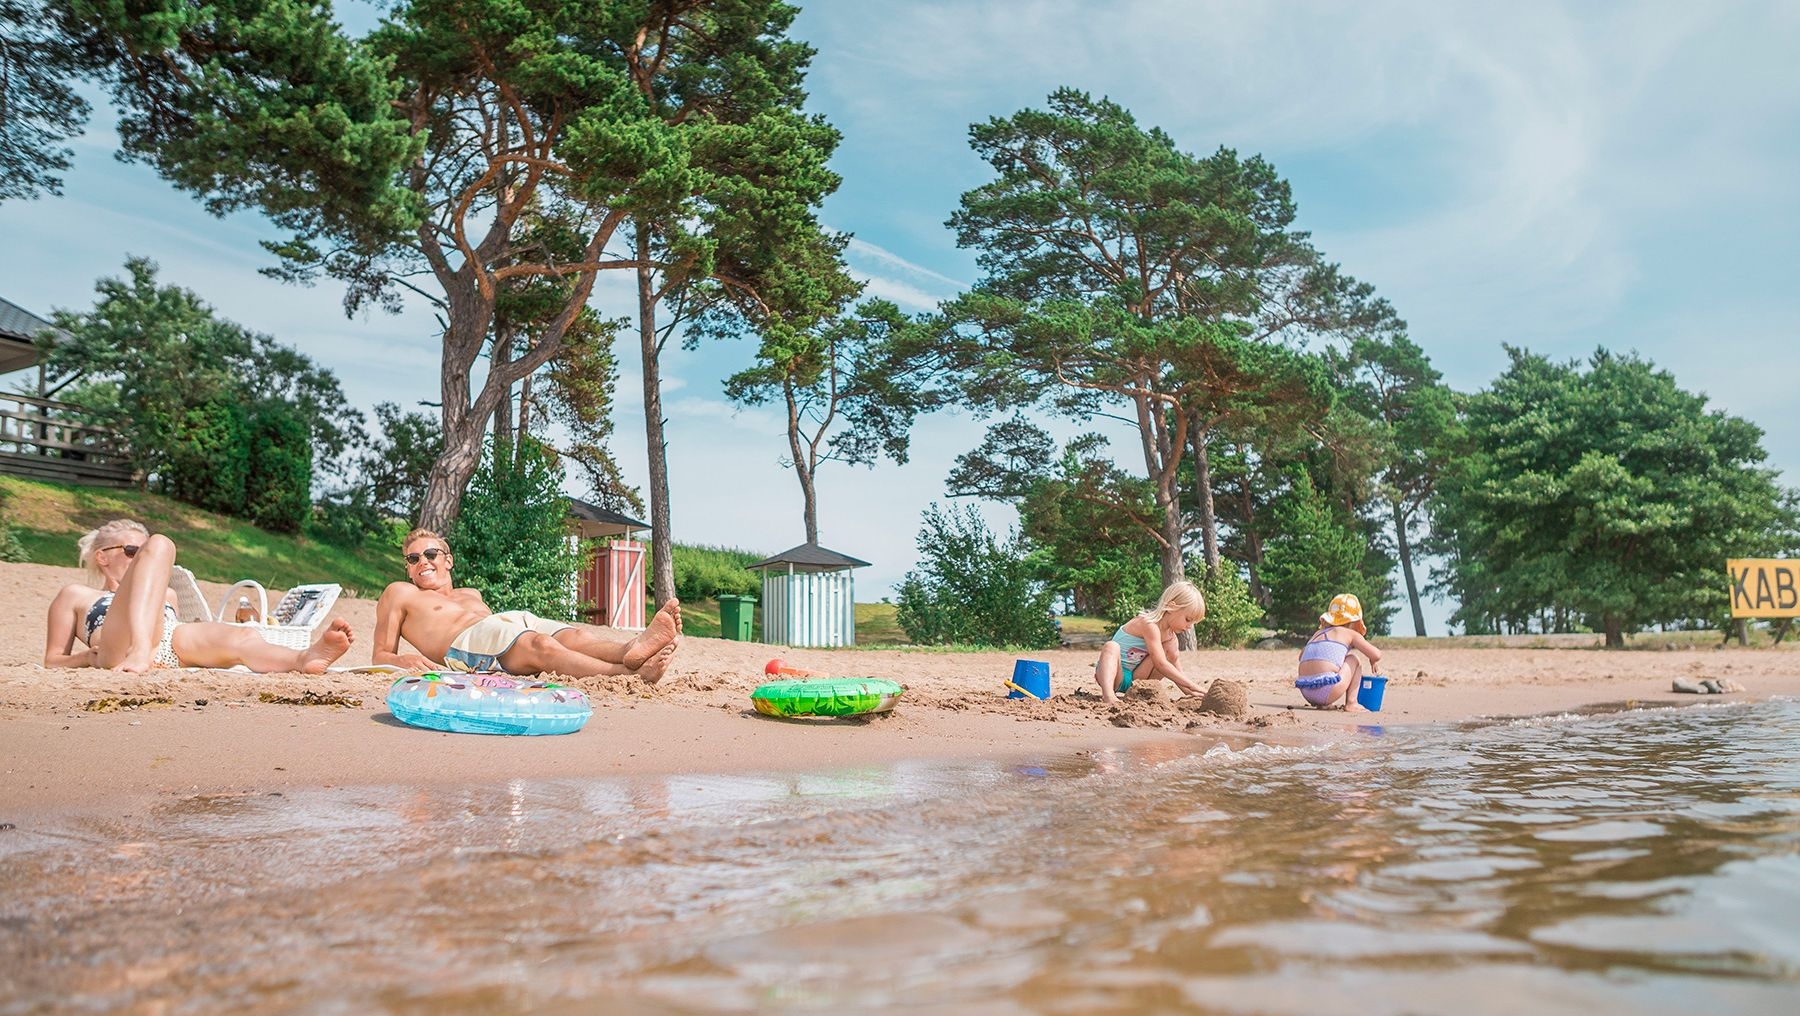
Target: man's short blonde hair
(423,534)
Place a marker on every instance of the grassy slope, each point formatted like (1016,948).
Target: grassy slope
(50,517)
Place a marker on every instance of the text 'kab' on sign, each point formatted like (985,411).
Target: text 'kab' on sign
(1764,587)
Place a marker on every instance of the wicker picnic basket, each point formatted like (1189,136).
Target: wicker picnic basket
(301,610)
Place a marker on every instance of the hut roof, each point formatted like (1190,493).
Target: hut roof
(810,557)
(594,520)
(18,327)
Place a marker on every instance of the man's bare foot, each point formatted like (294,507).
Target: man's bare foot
(654,668)
(327,647)
(664,628)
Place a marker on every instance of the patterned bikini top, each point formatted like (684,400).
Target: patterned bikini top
(96,617)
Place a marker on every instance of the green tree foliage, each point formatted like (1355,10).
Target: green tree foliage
(208,457)
(866,373)
(39,109)
(1608,497)
(278,484)
(388,480)
(1090,524)
(155,363)
(511,539)
(971,589)
(1394,384)
(427,157)
(11,549)
(1315,551)
(1123,271)
(1232,615)
(702,573)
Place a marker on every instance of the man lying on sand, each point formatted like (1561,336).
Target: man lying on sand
(454,628)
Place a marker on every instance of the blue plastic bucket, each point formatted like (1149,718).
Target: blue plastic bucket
(1369,692)
(1033,676)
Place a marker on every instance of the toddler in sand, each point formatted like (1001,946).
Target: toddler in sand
(1328,670)
(1147,643)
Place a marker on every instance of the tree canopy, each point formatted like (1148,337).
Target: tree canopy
(1608,497)
(423,158)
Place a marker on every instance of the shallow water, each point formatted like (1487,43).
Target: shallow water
(1644,862)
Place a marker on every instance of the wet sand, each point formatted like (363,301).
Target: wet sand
(210,732)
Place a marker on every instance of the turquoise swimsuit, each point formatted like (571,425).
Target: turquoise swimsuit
(1132,651)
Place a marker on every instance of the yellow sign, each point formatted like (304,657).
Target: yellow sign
(1764,587)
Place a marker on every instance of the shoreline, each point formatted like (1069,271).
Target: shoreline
(58,758)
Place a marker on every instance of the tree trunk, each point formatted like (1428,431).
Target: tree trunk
(662,546)
(503,420)
(805,466)
(1203,497)
(1615,631)
(464,428)
(1253,547)
(1406,568)
(1155,441)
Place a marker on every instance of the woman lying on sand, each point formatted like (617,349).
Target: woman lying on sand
(126,616)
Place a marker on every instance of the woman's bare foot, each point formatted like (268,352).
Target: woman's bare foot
(664,629)
(654,668)
(327,647)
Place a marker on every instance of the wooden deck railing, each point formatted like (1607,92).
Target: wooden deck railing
(46,440)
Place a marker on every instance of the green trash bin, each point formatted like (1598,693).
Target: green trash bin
(737,617)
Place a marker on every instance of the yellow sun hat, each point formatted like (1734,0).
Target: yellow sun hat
(1345,609)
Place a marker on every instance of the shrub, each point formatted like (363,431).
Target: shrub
(512,538)
(278,488)
(209,458)
(702,573)
(10,547)
(970,589)
(1232,616)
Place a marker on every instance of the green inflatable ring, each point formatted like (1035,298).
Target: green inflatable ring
(845,696)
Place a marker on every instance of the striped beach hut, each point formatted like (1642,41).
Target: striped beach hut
(809,597)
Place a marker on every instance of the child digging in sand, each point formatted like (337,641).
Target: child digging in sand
(1328,670)
(1147,643)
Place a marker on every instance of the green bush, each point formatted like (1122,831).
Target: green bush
(278,489)
(702,573)
(10,547)
(209,458)
(511,540)
(1231,615)
(1316,553)
(969,589)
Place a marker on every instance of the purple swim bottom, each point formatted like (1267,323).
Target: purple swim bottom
(1319,694)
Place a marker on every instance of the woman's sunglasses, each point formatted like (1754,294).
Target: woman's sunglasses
(431,554)
(130,549)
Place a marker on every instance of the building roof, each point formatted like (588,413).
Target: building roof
(594,520)
(18,327)
(810,557)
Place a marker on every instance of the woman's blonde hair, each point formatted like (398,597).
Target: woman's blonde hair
(104,537)
(1183,596)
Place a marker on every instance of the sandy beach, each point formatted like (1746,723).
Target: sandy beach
(65,747)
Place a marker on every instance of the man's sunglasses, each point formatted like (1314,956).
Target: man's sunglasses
(130,549)
(431,554)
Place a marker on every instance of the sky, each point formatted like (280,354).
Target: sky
(1556,176)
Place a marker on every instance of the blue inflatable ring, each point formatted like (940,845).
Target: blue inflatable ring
(488,704)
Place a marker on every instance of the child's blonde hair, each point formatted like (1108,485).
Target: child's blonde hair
(1183,596)
(104,537)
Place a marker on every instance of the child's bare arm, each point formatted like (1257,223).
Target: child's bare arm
(1365,647)
(1165,660)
